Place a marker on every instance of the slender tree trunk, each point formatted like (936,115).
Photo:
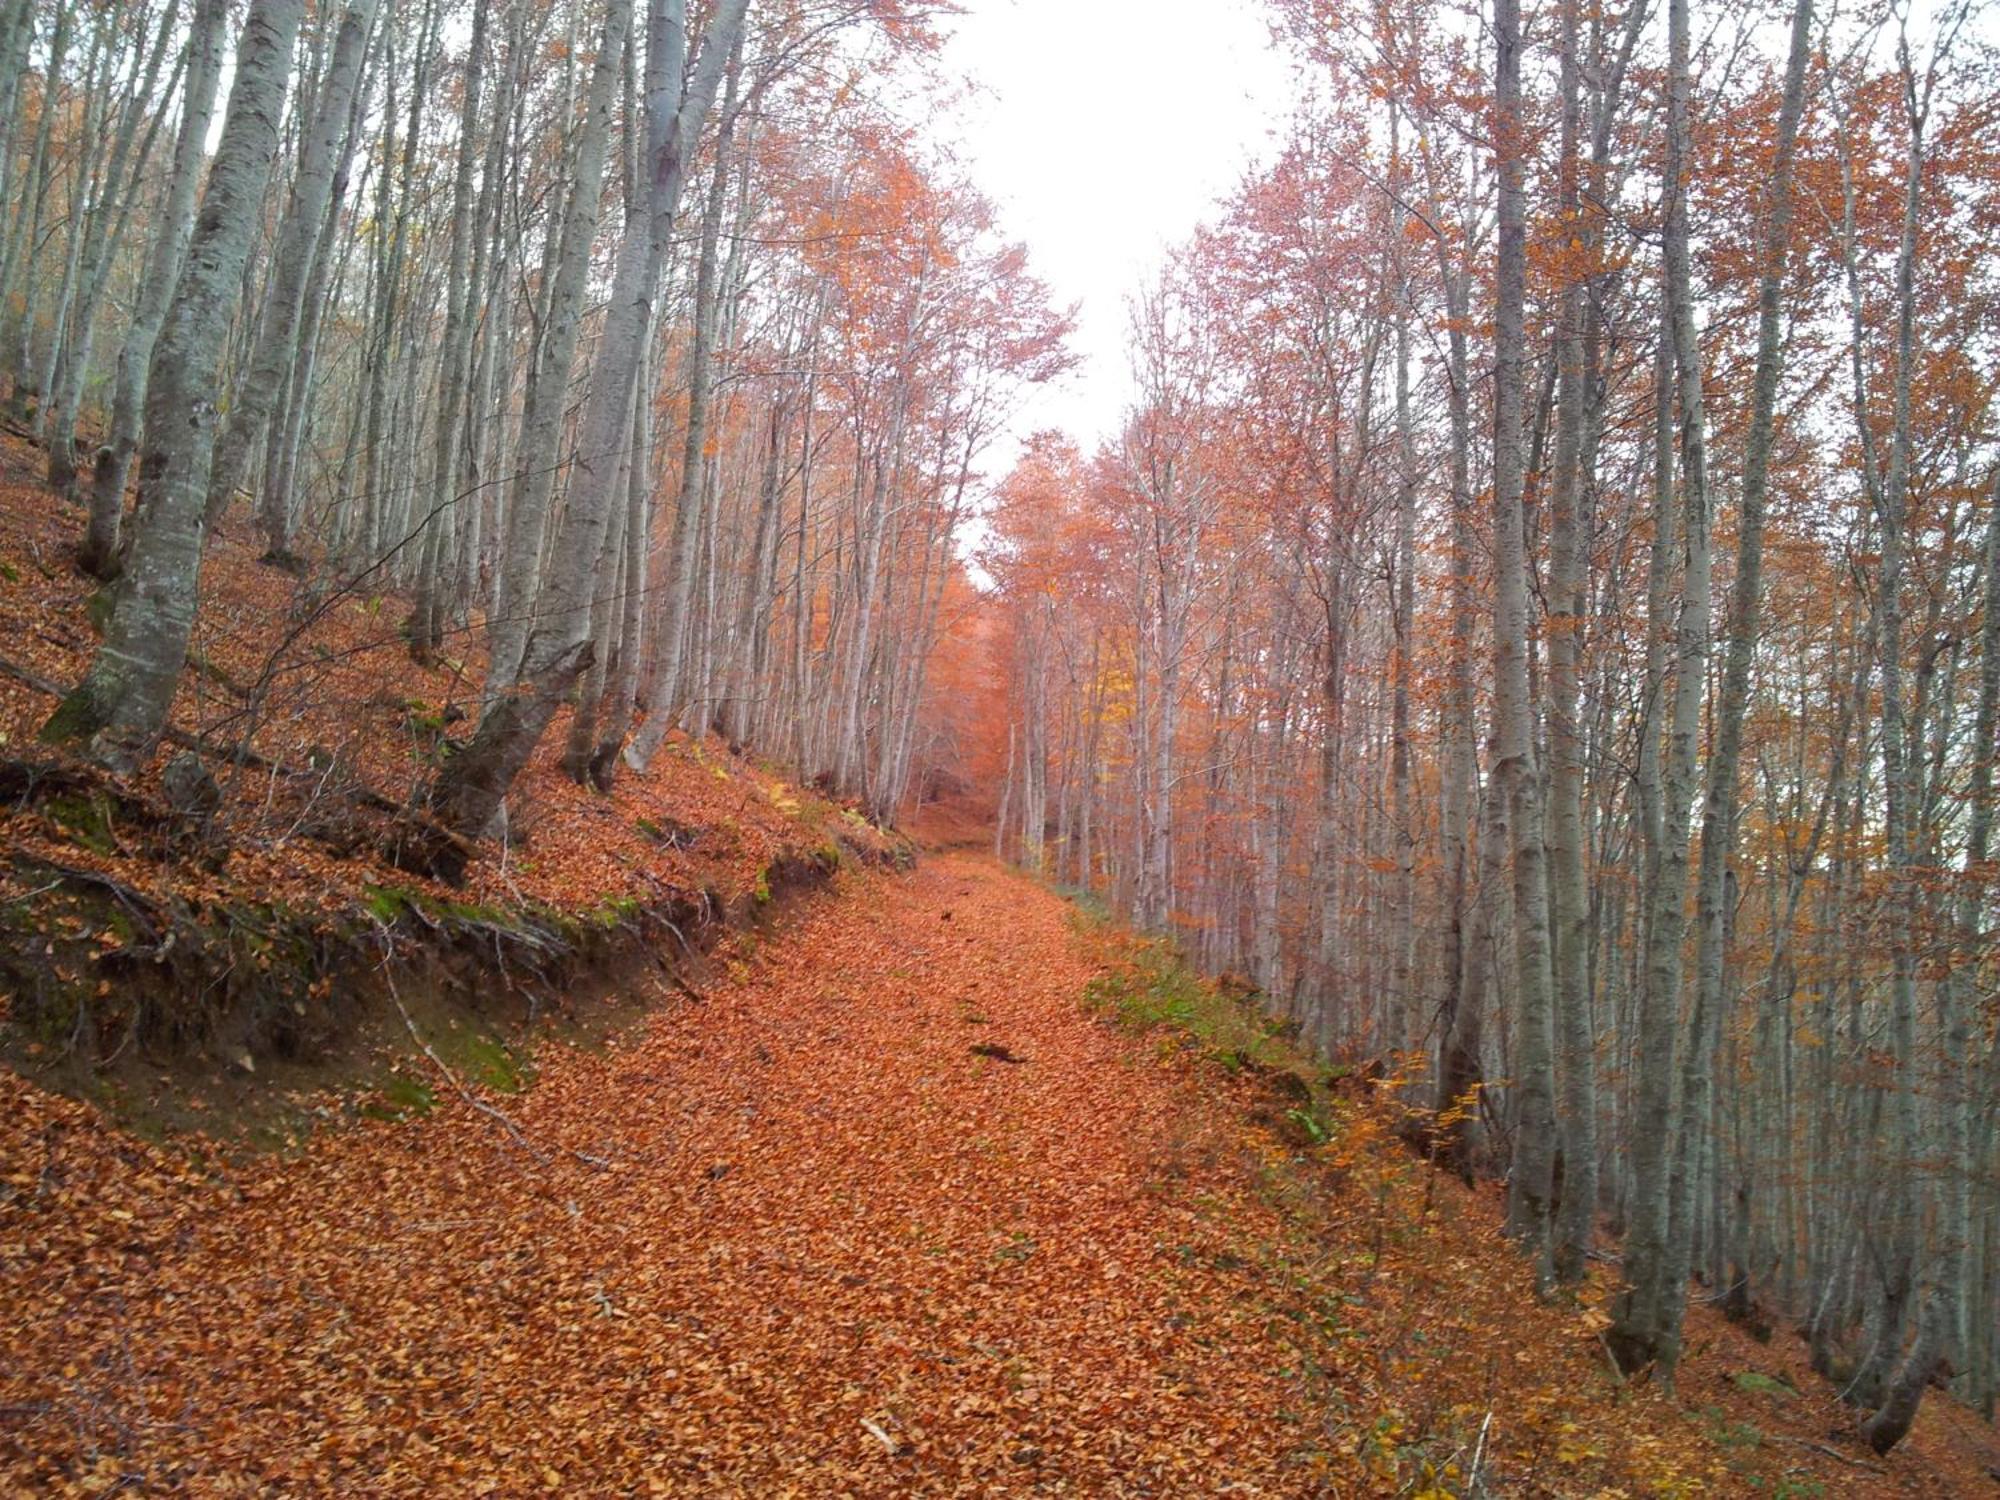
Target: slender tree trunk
(623,686)
(1530,1190)
(1888,1376)
(454,362)
(1718,823)
(1646,1323)
(1568,529)
(104,232)
(164,257)
(322,162)
(16,268)
(664,696)
(474,785)
(120,708)
(514,619)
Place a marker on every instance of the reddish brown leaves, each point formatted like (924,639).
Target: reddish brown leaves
(802,1239)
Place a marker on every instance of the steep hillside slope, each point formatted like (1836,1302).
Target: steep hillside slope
(238,905)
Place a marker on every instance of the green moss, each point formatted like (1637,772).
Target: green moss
(1146,987)
(1156,989)
(85,817)
(421,718)
(467,911)
(482,1058)
(1762,1384)
(401,1097)
(1727,1434)
(385,903)
(76,719)
(390,903)
(615,913)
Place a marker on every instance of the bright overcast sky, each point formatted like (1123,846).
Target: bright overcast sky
(1105,130)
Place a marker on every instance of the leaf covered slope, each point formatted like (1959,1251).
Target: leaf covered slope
(340,729)
(815,1236)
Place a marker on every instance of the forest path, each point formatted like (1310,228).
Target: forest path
(835,1250)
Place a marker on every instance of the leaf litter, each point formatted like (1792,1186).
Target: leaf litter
(800,1238)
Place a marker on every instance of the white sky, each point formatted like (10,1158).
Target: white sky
(1105,130)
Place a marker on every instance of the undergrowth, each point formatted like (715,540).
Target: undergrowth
(1146,986)
(1422,1360)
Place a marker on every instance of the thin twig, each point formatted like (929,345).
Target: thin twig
(1478,1455)
(1833,1453)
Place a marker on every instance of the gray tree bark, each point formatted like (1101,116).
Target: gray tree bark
(1647,1321)
(1568,529)
(322,161)
(104,232)
(664,692)
(474,785)
(454,362)
(540,442)
(1718,823)
(1530,1183)
(164,258)
(119,710)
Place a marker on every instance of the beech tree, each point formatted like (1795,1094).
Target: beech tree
(119,710)
(1647,684)
(1534,623)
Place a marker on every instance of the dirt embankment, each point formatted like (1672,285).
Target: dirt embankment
(232,920)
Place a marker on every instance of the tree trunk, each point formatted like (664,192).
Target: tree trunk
(539,447)
(1568,561)
(118,711)
(472,787)
(1718,822)
(1530,1183)
(322,162)
(164,258)
(104,232)
(664,693)
(454,362)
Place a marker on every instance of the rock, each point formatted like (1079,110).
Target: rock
(190,791)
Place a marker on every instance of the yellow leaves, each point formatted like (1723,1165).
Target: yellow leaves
(1591,1318)
(1573,1447)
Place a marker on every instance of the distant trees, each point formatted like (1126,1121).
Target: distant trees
(1597,578)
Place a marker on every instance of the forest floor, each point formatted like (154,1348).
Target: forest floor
(921,1183)
(887,1209)
(215,971)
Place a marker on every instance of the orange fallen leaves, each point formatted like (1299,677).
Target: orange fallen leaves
(324,685)
(833,1252)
